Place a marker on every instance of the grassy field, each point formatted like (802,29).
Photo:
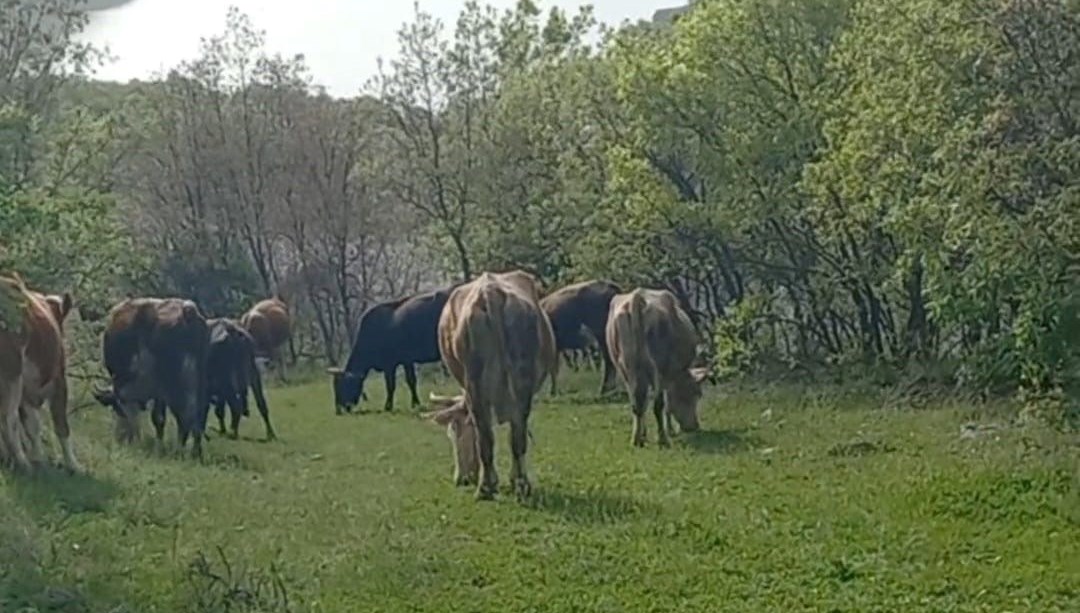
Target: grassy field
(789,501)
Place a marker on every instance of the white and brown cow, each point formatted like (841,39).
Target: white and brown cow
(32,372)
(653,344)
(498,344)
(270,326)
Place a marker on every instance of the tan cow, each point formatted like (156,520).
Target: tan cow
(653,344)
(498,344)
(270,326)
(32,371)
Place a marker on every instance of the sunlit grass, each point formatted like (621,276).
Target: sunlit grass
(787,501)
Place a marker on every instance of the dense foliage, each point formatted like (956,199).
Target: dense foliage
(827,182)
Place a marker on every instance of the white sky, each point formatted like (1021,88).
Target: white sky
(341,39)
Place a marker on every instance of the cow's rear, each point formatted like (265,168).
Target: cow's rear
(32,373)
(653,344)
(156,350)
(497,342)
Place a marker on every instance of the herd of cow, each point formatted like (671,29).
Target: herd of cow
(495,334)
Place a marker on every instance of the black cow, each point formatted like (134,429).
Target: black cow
(582,306)
(401,332)
(156,350)
(231,370)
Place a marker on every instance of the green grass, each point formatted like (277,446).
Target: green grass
(825,503)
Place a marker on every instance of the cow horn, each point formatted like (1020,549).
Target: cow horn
(334,370)
(432,396)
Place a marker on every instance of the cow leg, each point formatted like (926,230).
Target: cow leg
(280,364)
(157,417)
(260,401)
(237,409)
(219,411)
(31,427)
(608,382)
(58,409)
(410,380)
(519,446)
(640,398)
(662,419)
(485,441)
(390,376)
(11,428)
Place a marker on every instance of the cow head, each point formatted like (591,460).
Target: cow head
(127,425)
(461,430)
(348,389)
(683,396)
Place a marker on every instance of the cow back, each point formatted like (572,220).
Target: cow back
(399,331)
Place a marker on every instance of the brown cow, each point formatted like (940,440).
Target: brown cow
(498,344)
(270,326)
(577,311)
(653,344)
(156,350)
(32,371)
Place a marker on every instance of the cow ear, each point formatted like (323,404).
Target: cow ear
(447,415)
(699,374)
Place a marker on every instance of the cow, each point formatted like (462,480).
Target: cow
(270,326)
(576,308)
(401,332)
(33,371)
(653,345)
(498,344)
(156,349)
(230,371)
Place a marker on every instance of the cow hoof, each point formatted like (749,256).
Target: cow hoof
(665,443)
(486,493)
(523,489)
(462,481)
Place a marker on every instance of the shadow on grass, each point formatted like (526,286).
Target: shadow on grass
(593,507)
(53,488)
(720,442)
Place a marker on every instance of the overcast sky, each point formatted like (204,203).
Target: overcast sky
(340,38)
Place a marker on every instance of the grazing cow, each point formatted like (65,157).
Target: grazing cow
(156,350)
(401,332)
(270,326)
(231,370)
(498,344)
(32,371)
(578,307)
(653,344)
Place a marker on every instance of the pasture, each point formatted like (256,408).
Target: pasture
(789,500)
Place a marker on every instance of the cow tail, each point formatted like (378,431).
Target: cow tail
(637,350)
(495,304)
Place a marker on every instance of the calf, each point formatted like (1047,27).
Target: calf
(653,344)
(577,312)
(231,370)
(270,327)
(156,350)
(498,344)
(403,333)
(32,371)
